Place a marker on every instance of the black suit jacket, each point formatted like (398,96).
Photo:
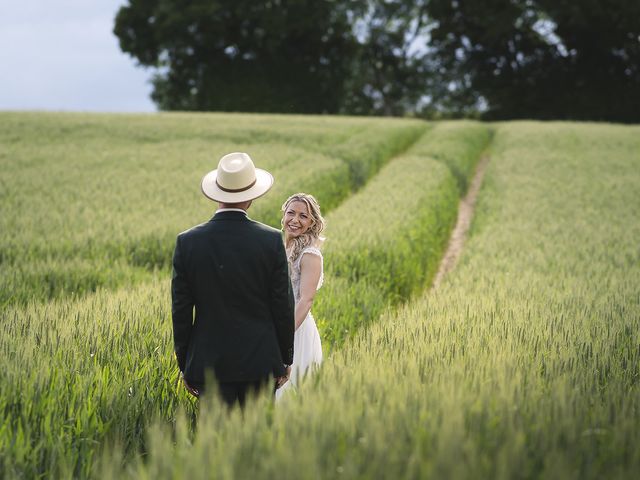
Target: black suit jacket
(234,271)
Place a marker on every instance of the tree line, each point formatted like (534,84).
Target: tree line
(497,59)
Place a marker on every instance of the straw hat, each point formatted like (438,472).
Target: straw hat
(236,180)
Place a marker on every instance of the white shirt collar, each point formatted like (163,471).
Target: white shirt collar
(231,210)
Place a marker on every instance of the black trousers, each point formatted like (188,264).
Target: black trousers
(236,392)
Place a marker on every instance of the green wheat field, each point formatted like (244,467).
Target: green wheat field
(523,363)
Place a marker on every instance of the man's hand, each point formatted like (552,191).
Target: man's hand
(190,389)
(280,381)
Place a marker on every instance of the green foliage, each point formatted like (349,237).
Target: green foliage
(252,56)
(93,201)
(524,364)
(540,59)
(504,59)
(390,71)
(354,56)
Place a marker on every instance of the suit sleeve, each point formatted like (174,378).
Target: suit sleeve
(181,308)
(282,305)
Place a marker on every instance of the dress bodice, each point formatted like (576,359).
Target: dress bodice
(295,271)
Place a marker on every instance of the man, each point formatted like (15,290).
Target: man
(234,271)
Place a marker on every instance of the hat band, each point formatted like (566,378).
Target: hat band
(236,190)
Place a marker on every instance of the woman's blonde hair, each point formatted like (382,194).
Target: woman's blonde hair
(312,236)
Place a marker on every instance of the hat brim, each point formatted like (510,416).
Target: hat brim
(211,190)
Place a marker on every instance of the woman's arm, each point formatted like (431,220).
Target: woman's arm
(310,270)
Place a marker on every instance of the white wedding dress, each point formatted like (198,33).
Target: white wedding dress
(307,349)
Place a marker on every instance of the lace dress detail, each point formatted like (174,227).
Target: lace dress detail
(307,349)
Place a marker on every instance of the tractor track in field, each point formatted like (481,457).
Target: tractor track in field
(459,234)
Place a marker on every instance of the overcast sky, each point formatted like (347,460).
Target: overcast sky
(62,55)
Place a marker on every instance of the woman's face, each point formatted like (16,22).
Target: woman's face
(297,219)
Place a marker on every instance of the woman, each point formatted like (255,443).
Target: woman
(302,224)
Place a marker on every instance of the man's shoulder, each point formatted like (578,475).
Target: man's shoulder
(266,229)
(193,231)
(258,230)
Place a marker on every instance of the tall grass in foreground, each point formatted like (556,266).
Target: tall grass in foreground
(75,372)
(524,364)
(93,201)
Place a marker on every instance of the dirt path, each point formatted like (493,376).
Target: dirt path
(465,214)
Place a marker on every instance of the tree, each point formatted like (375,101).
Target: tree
(242,55)
(559,59)
(545,59)
(390,73)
